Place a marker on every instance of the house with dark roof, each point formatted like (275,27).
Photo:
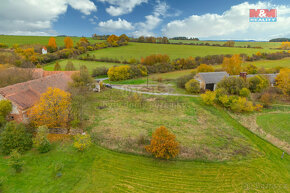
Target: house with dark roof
(24,95)
(209,80)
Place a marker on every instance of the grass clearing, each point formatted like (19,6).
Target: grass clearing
(43,40)
(77,63)
(285,62)
(127,121)
(138,50)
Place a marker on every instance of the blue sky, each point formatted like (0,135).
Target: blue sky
(205,19)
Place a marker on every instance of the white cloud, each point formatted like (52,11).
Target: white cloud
(152,21)
(120,7)
(112,26)
(232,24)
(35,17)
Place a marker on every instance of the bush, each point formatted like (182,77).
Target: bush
(244,92)
(119,73)
(82,142)
(251,69)
(16,137)
(100,71)
(155,59)
(181,81)
(40,141)
(15,161)
(205,68)
(232,85)
(5,108)
(258,83)
(267,99)
(163,144)
(242,105)
(192,86)
(208,97)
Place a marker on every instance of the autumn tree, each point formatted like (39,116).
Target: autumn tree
(232,65)
(57,67)
(124,37)
(81,79)
(205,68)
(229,43)
(52,109)
(52,43)
(5,109)
(68,42)
(283,80)
(163,144)
(113,39)
(251,69)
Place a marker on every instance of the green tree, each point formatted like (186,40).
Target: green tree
(258,83)
(15,161)
(40,141)
(81,79)
(16,137)
(232,85)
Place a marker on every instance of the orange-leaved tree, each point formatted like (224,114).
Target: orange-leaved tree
(68,42)
(51,42)
(232,65)
(283,80)
(163,144)
(112,38)
(52,109)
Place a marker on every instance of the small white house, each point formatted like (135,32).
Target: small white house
(44,50)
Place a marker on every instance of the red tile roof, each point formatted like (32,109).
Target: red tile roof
(26,94)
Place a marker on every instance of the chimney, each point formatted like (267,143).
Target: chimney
(243,75)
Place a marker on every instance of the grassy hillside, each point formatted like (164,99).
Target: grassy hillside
(43,40)
(77,63)
(138,50)
(252,44)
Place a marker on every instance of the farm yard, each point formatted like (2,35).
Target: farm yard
(229,139)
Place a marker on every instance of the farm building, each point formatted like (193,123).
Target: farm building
(209,80)
(24,95)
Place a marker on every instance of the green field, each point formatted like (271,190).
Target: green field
(102,170)
(138,50)
(285,62)
(252,44)
(42,40)
(77,63)
(276,124)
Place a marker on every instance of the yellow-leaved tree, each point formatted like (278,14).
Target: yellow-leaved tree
(68,42)
(113,39)
(283,80)
(52,109)
(285,45)
(232,65)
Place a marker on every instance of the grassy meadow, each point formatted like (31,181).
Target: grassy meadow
(42,40)
(252,44)
(102,170)
(285,62)
(138,50)
(77,63)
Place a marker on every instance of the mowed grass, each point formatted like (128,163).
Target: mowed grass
(138,50)
(252,44)
(101,170)
(126,122)
(276,124)
(42,40)
(77,63)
